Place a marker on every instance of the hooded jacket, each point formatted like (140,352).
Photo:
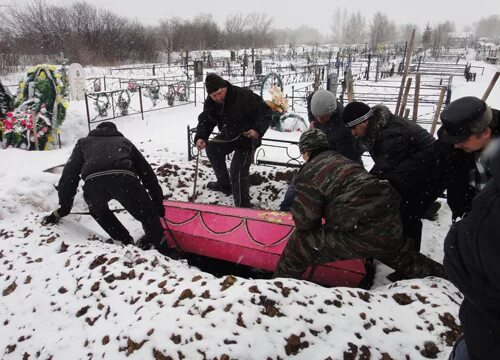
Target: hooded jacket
(105,151)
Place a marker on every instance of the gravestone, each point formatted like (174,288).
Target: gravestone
(198,70)
(258,67)
(76,78)
(332,83)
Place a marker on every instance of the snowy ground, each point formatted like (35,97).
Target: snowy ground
(68,295)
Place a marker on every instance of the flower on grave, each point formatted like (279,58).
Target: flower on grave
(50,87)
(132,86)
(278,101)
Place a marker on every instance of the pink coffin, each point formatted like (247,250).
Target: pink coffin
(255,238)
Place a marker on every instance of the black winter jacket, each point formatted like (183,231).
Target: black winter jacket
(241,111)
(105,151)
(404,154)
(456,166)
(471,260)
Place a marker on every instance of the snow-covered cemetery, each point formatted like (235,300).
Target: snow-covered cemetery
(227,189)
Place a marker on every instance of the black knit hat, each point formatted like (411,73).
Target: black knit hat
(107,124)
(214,82)
(355,113)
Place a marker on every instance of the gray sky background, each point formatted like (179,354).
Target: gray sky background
(316,13)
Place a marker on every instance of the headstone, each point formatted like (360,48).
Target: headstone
(258,67)
(198,70)
(233,55)
(76,77)
(332,83)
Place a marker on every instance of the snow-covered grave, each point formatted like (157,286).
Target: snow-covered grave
(66,294)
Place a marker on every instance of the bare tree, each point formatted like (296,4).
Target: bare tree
(235,30)
(353,31)
(337,25)
(405,31)
(381,30)
(208,33)
(440,37)
(259,28)
(488,27)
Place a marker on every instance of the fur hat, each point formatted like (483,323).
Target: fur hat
(323,102)
(214,82)
(355,113)
(464,117)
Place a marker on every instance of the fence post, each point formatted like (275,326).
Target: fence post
(416,99)
(104,81)
(195,90)
(405,97)
(113,104)
(189,143)
(293,97)
(438,110)
(140,102)
(87,107)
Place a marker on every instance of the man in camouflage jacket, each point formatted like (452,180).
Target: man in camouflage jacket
(360,213)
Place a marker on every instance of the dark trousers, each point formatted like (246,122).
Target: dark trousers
(412,229)
(129,192)
(286,204)
(237,177)
(324,245)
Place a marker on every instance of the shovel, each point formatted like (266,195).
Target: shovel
(192,198)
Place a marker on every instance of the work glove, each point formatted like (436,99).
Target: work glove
(51,219)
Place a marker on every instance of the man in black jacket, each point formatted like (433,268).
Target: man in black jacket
(471,252)
(404,154)
(325,114)
(112,168)
(242,118)
(469,126)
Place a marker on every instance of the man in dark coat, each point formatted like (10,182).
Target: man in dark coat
(404,154)
(325,114)
(469,126)
(342,212)
(242,118)
(112,168)
(471,251)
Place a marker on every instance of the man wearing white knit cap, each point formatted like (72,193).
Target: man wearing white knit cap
(325,114)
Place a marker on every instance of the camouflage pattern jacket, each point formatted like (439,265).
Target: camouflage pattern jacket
(348,198)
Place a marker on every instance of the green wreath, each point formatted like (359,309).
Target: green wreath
(269,81)
(48,86)
(123,102)
(102,106)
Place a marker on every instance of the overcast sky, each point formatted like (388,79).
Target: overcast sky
(316,13)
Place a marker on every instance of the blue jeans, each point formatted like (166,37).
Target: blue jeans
(459,351)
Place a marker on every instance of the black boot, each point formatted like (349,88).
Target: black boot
(214,185)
